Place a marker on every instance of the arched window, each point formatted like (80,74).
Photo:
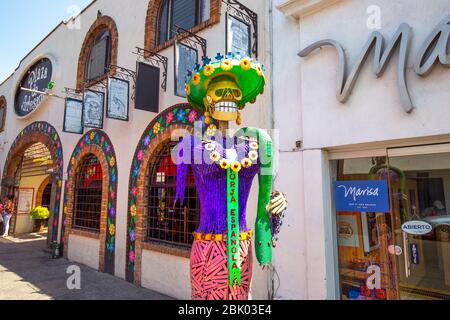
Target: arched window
(183,13)
(88,195)
(2,113)
(168,224)
(99,57)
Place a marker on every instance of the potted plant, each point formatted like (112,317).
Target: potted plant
(40,216)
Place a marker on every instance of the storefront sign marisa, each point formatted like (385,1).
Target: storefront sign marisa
(37,78)
(417,227)
(362,196)
(432,50)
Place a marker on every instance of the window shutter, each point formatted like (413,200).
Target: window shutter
(184,13)
(163,23)
(2,115)
(98,59)
(147,88)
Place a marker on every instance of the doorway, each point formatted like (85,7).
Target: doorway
(403,253)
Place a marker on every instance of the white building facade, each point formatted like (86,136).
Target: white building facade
(367,98)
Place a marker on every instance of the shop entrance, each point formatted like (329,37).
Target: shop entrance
(32,188)
(403,253)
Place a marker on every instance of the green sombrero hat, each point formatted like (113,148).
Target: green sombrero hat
(246,72)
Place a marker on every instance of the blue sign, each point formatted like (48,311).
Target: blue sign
(362,196)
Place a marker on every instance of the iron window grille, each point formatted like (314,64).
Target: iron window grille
(88,195)
(166,223)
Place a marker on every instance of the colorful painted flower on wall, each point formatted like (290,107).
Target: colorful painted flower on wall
(102,142)
(50,131)
(182,114)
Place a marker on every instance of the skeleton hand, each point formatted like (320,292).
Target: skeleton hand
(277,204)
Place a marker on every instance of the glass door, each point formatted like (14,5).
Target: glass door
(419,184)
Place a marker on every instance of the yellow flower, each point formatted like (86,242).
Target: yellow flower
(188,89)
(196,79)
(214,156)
(66,210)
(226,65)
(253,155)
(133,210)
(246,163)
(112,229)
(208,70)
(236,167)
(224,164)
(112,161)
(246,64)
(259,71)
(254,145)
(211,131)
(92,135)
(156,128)
(73,161)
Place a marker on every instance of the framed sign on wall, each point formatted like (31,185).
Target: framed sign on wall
(73,116)
(93,106)
(25,202)
(118,99)
(238,36)
(186,58)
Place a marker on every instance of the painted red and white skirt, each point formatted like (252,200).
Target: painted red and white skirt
(209,271)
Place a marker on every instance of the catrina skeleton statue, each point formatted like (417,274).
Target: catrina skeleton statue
(224,168)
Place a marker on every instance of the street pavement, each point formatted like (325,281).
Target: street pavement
(27,272)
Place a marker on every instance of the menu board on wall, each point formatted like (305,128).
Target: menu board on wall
(25,203)
(185,59)
(238,36)
(93,106)
(73,116)
(118,99)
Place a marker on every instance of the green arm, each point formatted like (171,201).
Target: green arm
(263,232)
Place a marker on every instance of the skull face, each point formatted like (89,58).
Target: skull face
(223,96)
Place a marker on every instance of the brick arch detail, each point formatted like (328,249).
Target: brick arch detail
(178,117)
(103,22)
(151,22)
(3,104)
(95,142)
(46,134)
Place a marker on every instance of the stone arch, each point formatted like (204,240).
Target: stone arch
(102,23)
(151,21)
(40,191)
(95,142)
(177,117)
(46,134)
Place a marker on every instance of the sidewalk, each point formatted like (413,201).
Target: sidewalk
(28,273)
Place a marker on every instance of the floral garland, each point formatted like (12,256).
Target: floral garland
(50,131)
(101,140)
(179,114)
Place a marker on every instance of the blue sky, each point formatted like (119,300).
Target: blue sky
(24,23)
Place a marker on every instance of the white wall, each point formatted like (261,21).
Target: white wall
(84,250)
(63,47)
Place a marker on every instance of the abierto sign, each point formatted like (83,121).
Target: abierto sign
(362,196)
(37,78)
(417,227)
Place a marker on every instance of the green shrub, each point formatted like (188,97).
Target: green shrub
(39,213)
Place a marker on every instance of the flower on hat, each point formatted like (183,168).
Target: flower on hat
(253,155)
(246,163)
(208,70)
(196,79)
(188,89)
(259,70)
(226,65)
(246,64)
(214,156)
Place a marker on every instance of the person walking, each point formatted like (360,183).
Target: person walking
(7,214)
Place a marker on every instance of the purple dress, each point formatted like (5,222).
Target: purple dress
(211,183)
